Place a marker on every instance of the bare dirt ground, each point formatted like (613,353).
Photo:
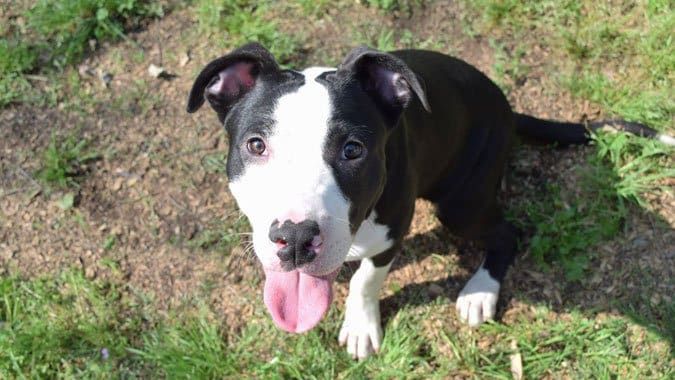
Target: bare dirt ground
(154,191)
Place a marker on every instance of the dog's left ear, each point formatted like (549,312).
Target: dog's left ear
(385,77)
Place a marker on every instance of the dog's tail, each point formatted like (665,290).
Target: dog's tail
(540,131)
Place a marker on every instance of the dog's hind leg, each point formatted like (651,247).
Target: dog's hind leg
(477,302)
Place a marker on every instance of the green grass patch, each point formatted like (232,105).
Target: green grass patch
(571,345)
(569,225)
(195,349)
(66,27)
(388,40)
(314,8)
(640,165)
(654,107)
(237,22)
(68,326)
(64,161)
(405,6)
(201,349)
(59,33)
(619,57)
(508,68)
(15,59)
(136,98)
(571,221)
(221,236)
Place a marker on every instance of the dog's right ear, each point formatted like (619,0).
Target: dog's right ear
(386,78)
(224,81)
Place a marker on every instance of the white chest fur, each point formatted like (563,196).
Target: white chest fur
(371,238)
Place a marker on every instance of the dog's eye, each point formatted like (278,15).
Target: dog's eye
(352,150)
(256,146)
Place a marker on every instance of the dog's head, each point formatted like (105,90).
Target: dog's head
(306,161)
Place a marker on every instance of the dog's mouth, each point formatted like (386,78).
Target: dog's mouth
(298,301)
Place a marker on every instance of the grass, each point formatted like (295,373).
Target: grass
(198,349)
(240,21)
(68,26)
(405,6)
(60,33)
(64,161)
(137,98)
(640,164)
(314,8)
(567,224)
(570,221)
(578,347)
(61,326)
(15,60)
(619,57)
(508,69)
(220,236)
(68,326)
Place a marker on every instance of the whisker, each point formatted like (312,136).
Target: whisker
(343,221)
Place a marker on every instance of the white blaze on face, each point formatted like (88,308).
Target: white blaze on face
(295,182)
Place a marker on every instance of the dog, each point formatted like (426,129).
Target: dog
(327,163)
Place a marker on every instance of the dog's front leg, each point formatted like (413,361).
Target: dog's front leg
(361,330)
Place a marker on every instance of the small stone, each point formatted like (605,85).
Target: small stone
(116,230)
(156,71)
(132,181)
(117,185)
(90,273)
(184,59)
(84,70)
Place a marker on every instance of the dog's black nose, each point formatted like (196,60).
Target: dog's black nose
(296,241)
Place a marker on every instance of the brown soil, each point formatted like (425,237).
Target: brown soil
(153,193)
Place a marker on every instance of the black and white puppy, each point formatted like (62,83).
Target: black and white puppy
(326,164)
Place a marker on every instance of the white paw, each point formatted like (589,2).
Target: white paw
(477,302)
(361,330)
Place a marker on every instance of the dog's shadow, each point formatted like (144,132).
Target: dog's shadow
(421,292)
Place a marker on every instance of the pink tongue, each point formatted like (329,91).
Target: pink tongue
(298,301)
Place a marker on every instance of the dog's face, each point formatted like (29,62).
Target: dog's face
(306,162)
